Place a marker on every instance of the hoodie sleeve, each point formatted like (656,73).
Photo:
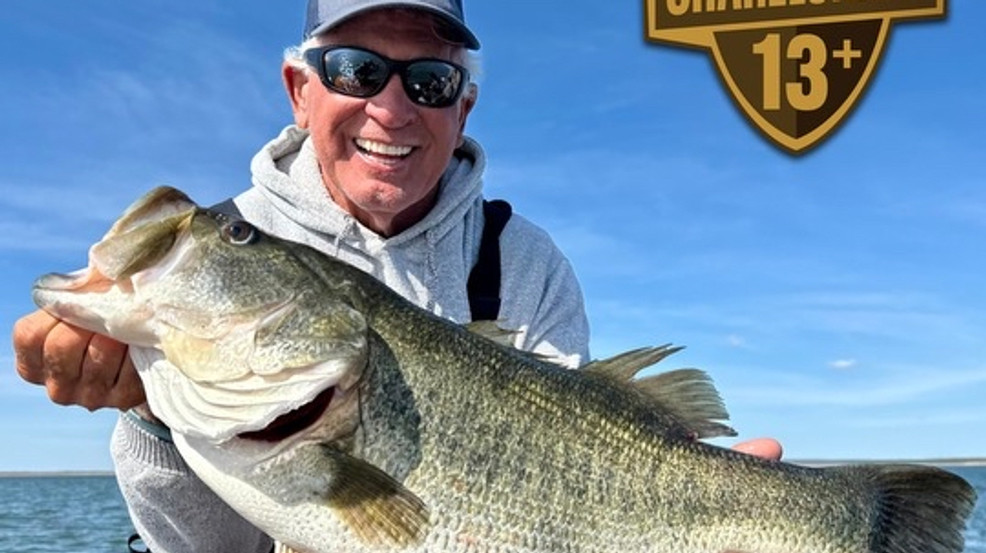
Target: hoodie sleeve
(541,296)
(171,509)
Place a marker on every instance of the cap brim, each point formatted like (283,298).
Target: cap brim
(466,36)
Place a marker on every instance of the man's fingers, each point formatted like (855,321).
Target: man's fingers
(28,339)
(64,353)
(128,390)
(99,372)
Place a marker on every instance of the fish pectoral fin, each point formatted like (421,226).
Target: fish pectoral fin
(377,508)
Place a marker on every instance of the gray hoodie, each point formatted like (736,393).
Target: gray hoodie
(428,264)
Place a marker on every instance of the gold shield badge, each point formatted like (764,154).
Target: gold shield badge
(795,67)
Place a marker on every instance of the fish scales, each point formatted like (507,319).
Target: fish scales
(551,450)
(338,417)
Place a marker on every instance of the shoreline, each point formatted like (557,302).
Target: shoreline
(960,462)
(55,473)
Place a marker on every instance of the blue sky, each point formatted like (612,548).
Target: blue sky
(837,299)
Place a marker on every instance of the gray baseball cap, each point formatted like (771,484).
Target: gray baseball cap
(325,14)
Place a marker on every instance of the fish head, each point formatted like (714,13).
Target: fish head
(237,326)
(101,297)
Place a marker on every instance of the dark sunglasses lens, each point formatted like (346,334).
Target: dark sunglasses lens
(354,72)
(432,83)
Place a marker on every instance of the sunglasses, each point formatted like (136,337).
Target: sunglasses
(429,82)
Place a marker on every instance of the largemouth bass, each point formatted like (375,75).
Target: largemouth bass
(339,417)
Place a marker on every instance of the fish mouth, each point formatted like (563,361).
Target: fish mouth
(82,280)
(293,421)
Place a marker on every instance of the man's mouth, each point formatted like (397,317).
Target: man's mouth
(379,149)
(293,421)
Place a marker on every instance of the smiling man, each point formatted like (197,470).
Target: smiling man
(376,171)
(382,143)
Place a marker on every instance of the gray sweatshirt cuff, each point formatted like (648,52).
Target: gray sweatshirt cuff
(159,430)
(148,445)
(171,509)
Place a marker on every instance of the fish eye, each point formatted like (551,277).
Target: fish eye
(239,233)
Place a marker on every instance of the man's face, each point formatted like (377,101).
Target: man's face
(381,157)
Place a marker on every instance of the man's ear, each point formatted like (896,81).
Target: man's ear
(468,101)
(296,81)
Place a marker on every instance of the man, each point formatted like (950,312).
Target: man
(375,171)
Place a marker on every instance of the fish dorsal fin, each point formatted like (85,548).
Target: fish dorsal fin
(687,394)
(492,330)
(692,399)
(379,510)
(626,365)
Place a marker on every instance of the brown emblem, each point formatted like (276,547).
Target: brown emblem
(795,67)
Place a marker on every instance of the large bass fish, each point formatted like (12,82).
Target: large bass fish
(338,417)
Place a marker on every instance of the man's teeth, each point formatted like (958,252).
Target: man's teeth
(383,149)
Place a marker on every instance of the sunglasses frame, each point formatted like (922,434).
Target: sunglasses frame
(316,58)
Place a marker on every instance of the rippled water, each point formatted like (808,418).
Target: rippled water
(76,514)
(64,514)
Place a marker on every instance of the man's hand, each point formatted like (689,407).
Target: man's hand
(768,448)
(76,366)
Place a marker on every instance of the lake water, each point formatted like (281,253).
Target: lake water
(76,514)
(73,514)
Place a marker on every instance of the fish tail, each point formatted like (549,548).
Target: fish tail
(919,508)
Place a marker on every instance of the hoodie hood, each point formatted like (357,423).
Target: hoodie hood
(289,200)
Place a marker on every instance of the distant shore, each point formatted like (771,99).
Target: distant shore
(956,462)
(950,462)
(54,473)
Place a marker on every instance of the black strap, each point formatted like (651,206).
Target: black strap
(136,539)
(136,545)
(484,280)
(228,207)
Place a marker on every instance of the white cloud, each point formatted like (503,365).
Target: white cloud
(843,364)
(895,387)
(938,417)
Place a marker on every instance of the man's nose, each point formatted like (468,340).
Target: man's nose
(391,106)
